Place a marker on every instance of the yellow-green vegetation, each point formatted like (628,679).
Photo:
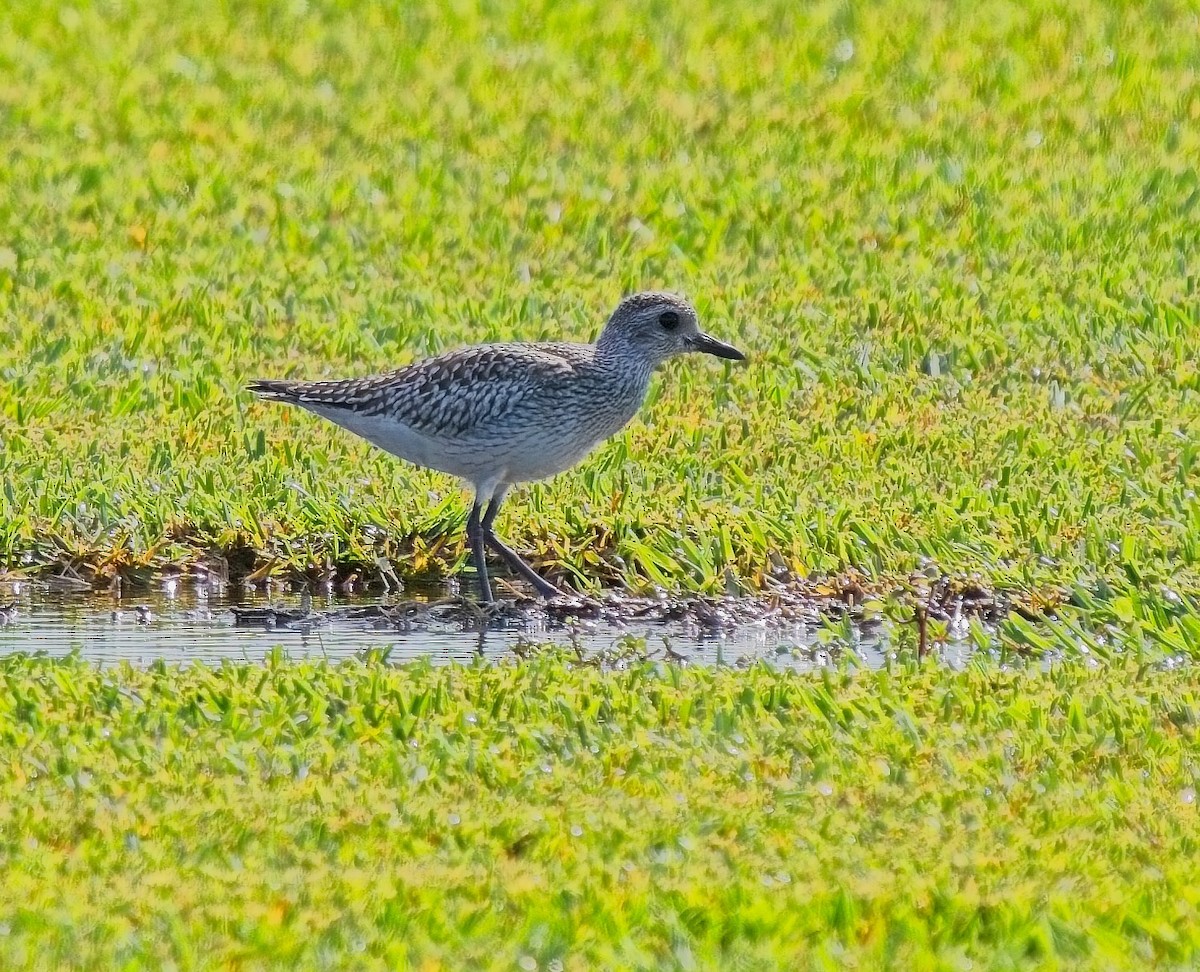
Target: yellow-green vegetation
(959,240)
(960,243)
(539,815)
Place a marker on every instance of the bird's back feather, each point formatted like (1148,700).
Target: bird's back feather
(451,394)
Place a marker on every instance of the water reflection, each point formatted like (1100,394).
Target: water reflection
(191,623)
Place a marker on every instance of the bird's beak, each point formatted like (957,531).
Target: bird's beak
(710,345)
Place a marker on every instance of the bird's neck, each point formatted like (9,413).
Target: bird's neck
(626,377)
(615,355)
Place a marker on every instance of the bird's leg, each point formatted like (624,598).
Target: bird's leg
(475,536)
(540,584)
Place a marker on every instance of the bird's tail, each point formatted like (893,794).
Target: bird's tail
(276,390)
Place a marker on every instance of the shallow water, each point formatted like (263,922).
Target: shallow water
(180,622)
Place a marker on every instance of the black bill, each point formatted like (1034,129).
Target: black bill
(710,345)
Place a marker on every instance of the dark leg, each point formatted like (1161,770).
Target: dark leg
(475,536)
(540,584)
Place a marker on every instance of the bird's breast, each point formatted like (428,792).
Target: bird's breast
(558,431)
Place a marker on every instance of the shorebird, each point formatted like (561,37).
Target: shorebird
(498,414)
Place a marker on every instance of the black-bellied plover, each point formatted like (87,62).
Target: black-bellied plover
(499,414)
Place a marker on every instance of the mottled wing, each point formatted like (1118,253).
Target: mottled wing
(450,395)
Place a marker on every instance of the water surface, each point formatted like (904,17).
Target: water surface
(182,622)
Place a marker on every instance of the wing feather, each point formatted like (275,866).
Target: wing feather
(452,394)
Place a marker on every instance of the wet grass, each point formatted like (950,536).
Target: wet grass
(959,245)
(550,816)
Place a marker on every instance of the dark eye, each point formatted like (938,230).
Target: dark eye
(669,320)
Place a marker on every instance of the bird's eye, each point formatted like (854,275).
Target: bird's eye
(669,320)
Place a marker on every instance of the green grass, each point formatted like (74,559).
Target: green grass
(959,242)
(304,815)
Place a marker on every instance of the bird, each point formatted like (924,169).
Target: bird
(499,414)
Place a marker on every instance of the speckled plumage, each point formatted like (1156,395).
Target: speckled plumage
(498,414)
(478,394)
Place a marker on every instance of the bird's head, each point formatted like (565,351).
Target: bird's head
(656,326)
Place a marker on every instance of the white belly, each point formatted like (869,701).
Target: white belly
(515,454)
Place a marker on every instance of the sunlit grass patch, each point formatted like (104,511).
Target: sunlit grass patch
(304,816)
(957,241)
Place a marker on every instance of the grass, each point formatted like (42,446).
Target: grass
(958,242)
(304,815)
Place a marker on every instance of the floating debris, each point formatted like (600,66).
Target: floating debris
(68,584)
(276,617)
(704,615)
